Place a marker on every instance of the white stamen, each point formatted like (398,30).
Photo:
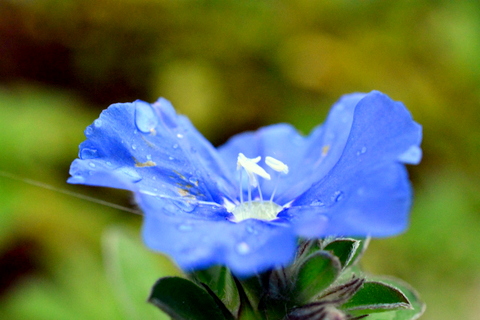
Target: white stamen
(257,209)
(276,165)
(252,169)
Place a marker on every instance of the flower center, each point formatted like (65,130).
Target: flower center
(261,210)
(257,209)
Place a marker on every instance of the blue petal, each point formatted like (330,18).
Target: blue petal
(309,158)
(138,146)
(367,191)
(196,241)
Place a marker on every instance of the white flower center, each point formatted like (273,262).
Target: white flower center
(257,209)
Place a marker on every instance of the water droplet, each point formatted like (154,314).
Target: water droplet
(175,146)
(154,178)
(362,151)
(317,203)
(145,117)
(76,179)
(179,135)
(87,153)
(109,164)
(134,147)
(149,157)
(89,131)
(170,208)
(251,230)
(337,196)
(185,227)
(170,158)
(131,173)
(97,123)
(186,205)
(243,248)
(412,155)
(91,164)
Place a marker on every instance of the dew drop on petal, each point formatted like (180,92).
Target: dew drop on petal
(185,227)
(337,196)
(97,123)
(131,174)
(87,153)
(134,147)
(243,248)
(91,164)
(186,205)
(170,158)
(149,157)
(175,146)
(179,135)
(77,179)
(317,203)
(109,164)
(251,230)
(412,156)
(89,131)
(145,117)
(362,151)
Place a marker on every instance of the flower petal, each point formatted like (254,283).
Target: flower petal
(141,146)
(248,247)
(367,191)
(308,158)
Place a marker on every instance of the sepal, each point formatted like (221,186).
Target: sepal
(316,274)
(375,296)
(344,249)
(220,281)
(182,299)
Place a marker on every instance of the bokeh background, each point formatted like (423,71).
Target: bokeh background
(230,66)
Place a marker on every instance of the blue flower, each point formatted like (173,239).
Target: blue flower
(244,204)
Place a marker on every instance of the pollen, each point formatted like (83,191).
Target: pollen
(144,164)
(325,150)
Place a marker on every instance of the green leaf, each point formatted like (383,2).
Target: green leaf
(375,297)
(221,283)
(418,307)
(343,249)
(184,300)
(316,274)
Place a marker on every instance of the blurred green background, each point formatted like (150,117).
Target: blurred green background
(230,65)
